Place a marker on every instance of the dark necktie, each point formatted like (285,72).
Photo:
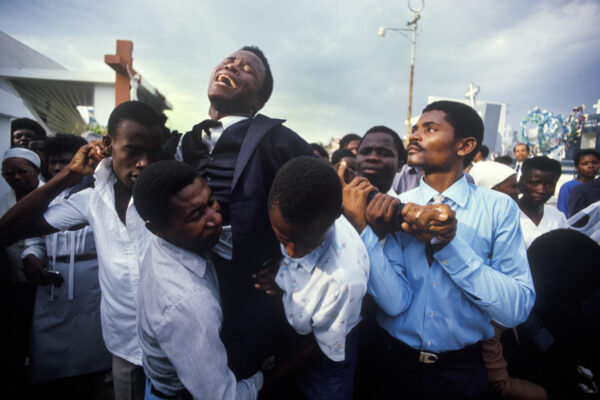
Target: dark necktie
(194,150)
(431,248)
(206,125)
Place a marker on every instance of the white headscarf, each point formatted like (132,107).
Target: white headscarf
(490,173)
(19,152)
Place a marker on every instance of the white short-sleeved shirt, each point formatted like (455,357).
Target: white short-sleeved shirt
(552,219)
(120,249)
(323,290)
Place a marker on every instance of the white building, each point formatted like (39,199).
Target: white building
(34,86)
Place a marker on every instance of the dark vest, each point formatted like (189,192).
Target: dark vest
(217,168)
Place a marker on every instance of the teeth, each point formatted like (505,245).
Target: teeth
(226,80)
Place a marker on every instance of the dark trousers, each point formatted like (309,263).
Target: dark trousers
(254,325)
(331,380)
(460,377)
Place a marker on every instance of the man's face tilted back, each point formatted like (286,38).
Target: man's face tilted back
(234,86)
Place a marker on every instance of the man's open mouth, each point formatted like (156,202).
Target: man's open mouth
(226,80)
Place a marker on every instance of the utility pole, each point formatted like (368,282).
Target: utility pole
(412,28)
(413,24)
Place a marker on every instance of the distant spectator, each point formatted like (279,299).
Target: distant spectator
(320,151)
(506,160)
(66,336)
(587,164)
(25,130)
(344,155)
(521,151)
(20,169)
(351,142)
(482,154)
(584,195)
(537,184)
(380,154)
(496,176)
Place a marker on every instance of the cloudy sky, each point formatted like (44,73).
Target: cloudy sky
(333,74)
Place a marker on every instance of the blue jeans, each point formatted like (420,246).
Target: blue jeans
(331,380)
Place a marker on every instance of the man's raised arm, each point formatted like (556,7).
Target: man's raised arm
(26,218)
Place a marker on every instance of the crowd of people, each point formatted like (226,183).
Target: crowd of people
(237,261)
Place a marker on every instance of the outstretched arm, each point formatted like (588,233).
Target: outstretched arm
(26,218)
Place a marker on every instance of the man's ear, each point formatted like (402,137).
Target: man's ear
(152,227)
(107,142)
(257,106)
(466,146)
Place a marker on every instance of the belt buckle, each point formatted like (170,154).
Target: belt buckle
(427,358)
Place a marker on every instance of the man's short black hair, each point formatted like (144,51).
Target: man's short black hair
(267,86)
(344,141)
(63,143)
(306,188)
(337,155)
(464,120)
(582,153)
(156,185)
(136,111)
(526,146)
(320,149)
(27,123)
(506,160)
(542,163)
(485,151)
(397,141)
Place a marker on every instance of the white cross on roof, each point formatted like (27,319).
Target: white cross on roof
(597,107)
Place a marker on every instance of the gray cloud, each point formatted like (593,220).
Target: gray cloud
(333,74)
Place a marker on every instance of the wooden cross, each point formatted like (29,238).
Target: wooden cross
(472,93)
(122,63)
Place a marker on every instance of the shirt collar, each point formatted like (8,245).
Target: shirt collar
(104,174)
(229,120)
(309,261)
(192,261)
(458,192)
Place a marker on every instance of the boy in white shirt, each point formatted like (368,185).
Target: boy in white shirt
(323,274)
(537,184)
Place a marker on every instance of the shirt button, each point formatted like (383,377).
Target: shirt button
(434,283)
(445,262)
(431,314)
(429,343)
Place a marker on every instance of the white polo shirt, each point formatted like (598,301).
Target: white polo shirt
(120,249)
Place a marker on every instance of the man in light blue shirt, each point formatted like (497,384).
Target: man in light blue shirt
(438,289)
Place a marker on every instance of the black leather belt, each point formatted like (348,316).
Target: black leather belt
(471,353)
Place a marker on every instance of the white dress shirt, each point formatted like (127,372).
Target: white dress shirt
(551,220)
(179,319)
(323,290)
(119,248)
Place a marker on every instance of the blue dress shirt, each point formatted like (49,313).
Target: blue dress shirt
(479,276)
